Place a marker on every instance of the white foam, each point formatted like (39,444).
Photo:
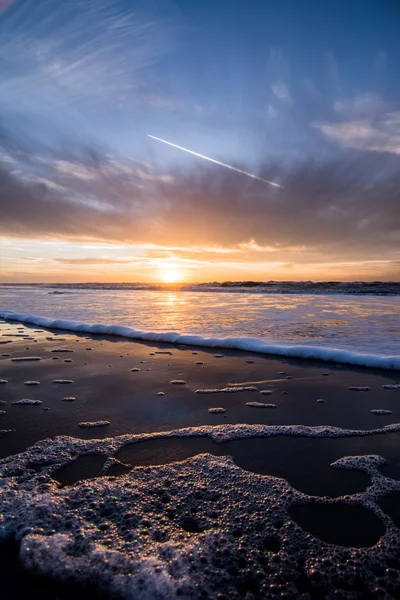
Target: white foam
(216,410)
(391,386)
(89,424)
(260,405)
(26,359)
(228,390)
(360,388)
(172,530)
(247,344)
(381,411)
(27,401)
(62,350)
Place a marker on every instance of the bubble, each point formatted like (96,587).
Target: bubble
(260,405)
(27,401)
(61,350)
(89,424)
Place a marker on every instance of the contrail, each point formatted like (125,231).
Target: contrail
(217,162)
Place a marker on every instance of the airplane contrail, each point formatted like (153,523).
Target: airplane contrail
(217,162)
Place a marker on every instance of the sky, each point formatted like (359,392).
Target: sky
(297,104)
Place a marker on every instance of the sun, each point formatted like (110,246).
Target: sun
(171,274)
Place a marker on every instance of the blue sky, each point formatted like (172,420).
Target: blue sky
(264,85)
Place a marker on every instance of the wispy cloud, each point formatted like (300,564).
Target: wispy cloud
(281,90)
(379,135)
(78,53)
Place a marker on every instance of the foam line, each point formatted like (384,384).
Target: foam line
(246,344)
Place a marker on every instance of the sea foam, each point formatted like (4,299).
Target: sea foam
(237,343)
(202,527)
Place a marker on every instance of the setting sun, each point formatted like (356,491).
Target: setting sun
(171,274)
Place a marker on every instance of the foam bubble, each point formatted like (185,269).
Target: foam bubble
(178,382)
(61,350)
(381,411)
(27,401)
(216,410)
(260,405)
(90,424)
(359,388)
(228,390)
(26,358)
(62,381)
(32,382)
(391,386)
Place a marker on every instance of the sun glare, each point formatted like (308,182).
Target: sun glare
(171,274)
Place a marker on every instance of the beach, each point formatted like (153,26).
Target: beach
(110,417)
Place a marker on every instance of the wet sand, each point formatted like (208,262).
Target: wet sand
(105,388)
(120,381)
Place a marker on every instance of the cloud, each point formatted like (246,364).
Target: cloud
(331,209)
(281,91)
(379,135)
(81,55)
(93,261)
(365,105)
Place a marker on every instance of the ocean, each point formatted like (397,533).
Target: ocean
(357,327)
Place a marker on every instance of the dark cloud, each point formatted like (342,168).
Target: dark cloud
(341,208)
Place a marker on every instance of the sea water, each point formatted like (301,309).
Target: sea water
(354,329)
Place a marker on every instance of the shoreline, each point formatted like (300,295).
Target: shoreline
(246,344)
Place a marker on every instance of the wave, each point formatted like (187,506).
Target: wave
(374,288)
(246,344)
